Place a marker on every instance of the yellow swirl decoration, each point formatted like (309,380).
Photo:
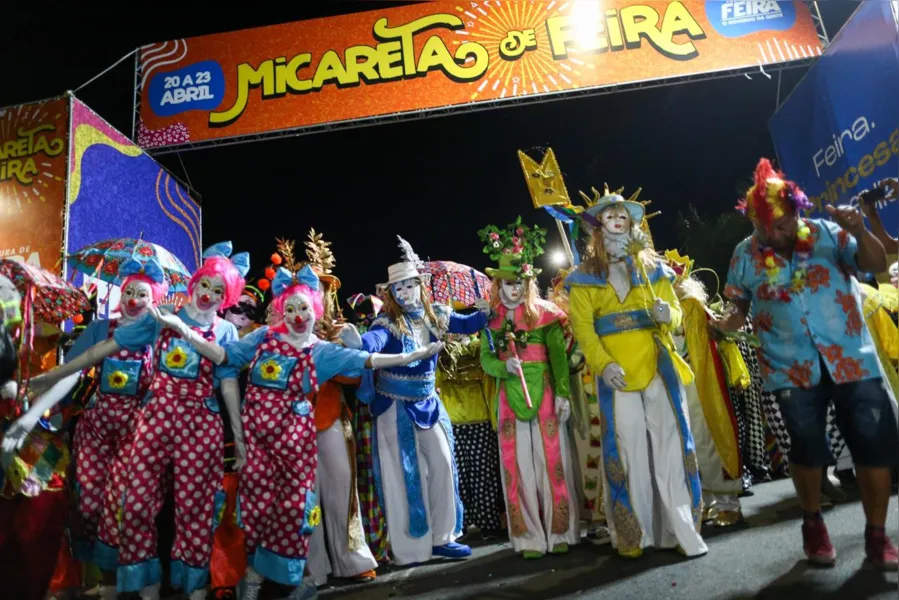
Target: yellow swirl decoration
(85,137)
(315,516)
(194,232)
(195,244)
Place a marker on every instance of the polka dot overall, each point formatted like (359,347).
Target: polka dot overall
(177,428)
(104,437)
(277,484)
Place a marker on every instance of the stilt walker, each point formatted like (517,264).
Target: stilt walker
(416,469)
(365,310)
(713,420)
(339,547)
(530,360)
(623,308)
(105,432)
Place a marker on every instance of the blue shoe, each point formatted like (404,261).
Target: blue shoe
(451,550)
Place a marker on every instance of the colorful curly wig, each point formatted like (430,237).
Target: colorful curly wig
(771,196)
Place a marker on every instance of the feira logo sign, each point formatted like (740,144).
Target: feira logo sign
(17,157)
(670,32)
(736,18)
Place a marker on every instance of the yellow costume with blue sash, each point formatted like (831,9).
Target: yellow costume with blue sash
(614,331)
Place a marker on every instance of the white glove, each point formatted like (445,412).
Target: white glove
(210,350)
(513,365)
(15,436)
(350,337)
(563,409)
(380,361)
(613,376)
(483,306)
(18,432)
(661,311)
(10,390)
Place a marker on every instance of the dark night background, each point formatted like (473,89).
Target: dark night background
(433,181)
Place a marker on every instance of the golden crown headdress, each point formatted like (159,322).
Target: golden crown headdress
(685,263)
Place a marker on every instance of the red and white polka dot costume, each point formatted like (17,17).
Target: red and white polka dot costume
(177,428)
(277,498)
(104,437)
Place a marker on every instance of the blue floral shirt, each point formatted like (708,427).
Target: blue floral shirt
(819,323)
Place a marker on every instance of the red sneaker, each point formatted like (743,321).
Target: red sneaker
(816,543)
(880,550)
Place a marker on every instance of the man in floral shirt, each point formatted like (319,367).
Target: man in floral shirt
(797,275)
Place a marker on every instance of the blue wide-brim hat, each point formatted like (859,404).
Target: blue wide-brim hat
(635,209)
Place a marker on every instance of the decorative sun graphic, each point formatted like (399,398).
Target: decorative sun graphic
(532,71)
(26,176)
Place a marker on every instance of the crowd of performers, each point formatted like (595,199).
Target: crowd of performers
(294,445)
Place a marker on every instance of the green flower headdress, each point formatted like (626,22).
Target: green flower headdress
(515,248)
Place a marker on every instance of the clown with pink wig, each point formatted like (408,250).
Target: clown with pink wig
(278,504)
(106,430)
(179,427)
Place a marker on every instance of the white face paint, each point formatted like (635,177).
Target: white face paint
(407,293)
(511,293)
(209,293)
(615,220)
(299,316)
(136,297)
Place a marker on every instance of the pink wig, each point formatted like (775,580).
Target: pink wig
(158,290)
(318,307)
(217,265)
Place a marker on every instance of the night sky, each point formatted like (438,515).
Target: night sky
(433,181)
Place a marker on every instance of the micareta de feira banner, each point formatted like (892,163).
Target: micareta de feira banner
(33,151)
(837,134)
(432,55)
(117,190)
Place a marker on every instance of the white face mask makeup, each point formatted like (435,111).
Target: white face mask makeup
(136,297)
(209,293)
(616,231)
(407,294)
(511,293)
(299,317)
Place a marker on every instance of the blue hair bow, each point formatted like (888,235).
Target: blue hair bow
(284,279)
(150,267)
(241,260)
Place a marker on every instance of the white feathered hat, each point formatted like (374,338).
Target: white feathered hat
(408,269)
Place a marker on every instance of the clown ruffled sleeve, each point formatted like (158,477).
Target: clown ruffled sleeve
(93,334)
(467,324)
(490,362)
(332,360)
(557,349)
(581,303)
(240,352)
(135,336)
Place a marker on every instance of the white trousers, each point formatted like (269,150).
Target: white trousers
(435,467)
(654,468)
(329,547)
(535,492)
(717,488)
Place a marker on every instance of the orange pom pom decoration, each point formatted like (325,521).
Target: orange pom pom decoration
(78,319)
(276,259)
(263,284)
(269,273)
